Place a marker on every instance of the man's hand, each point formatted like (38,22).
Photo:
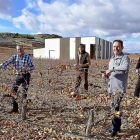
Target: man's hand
(137,70)
(106,74)
(82,65)
(25,68)
(76,67)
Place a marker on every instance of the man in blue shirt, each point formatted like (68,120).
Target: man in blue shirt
(118,75)
(23,66)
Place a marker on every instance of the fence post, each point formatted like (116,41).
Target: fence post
(90,122)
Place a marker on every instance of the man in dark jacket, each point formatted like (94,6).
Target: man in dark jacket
(82,65)
(137,89)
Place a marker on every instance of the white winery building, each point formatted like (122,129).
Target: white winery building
(67,48)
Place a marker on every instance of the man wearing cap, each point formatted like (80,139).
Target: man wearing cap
(23,67)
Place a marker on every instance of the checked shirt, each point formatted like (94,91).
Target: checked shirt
(20,62)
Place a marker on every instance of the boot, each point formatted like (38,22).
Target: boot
(15,106)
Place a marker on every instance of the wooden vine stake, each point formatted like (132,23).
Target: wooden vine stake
(90,122)
(23,107)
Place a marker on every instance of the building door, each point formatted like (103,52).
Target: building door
(51,54)
(92,51)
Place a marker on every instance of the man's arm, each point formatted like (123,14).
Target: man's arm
(124,66)
(6,63)
(88,60)
(119,69)
(30,65)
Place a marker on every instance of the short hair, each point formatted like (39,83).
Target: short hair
(120,41)
(20,45)
(82,46)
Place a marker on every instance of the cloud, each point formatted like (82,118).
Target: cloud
(36,33)
(108,19)
(31,4)
(27,20)
(136,35)
(5,17)
(132,47)
(5,9)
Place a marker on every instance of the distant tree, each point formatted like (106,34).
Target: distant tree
(50,36)
(17,35)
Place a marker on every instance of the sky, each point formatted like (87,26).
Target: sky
(107,19)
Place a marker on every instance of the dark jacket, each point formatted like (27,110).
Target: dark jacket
(83,60)
(138,64)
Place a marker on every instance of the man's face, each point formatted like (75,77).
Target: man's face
(81,48)
(117,48)
(20,50)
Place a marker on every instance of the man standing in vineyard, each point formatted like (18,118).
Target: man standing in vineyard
(82,65)
(137,89)
(23,66)
(118,75)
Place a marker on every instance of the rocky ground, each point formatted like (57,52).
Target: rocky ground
(54,113)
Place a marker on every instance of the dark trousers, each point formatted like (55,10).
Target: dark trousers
(82,76)
(137,89)
(23,79)
(116,122)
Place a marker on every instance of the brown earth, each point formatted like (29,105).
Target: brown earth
(56,114)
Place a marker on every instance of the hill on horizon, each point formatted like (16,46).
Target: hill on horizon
(30,41)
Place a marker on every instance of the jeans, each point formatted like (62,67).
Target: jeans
(23,79)
(116,122)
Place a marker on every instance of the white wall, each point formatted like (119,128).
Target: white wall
(39,53)
(72,48)
(102,50)
(97,40)
(87,41)
(52,44)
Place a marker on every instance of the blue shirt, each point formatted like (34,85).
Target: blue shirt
(20,62)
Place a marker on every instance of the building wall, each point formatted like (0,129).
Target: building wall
(39,53)
(107,49)
(72,48)
(77,43)
(52,46)
(111,48)
(87,41)
(65,48)
(102,48)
